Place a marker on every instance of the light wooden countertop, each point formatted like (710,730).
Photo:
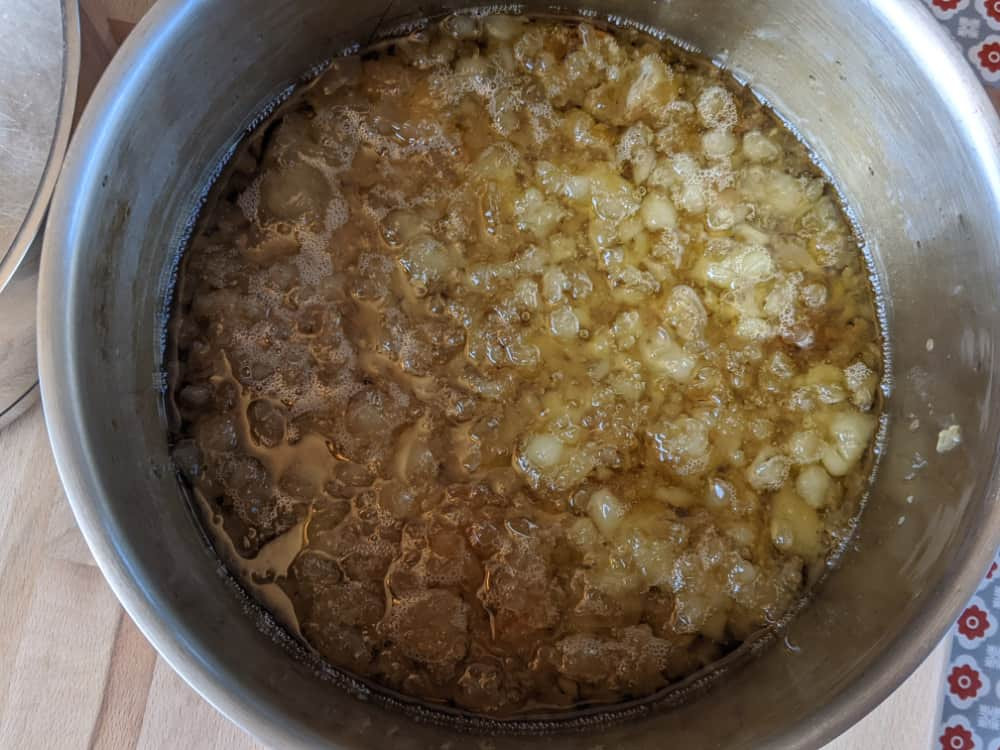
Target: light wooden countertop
(75,672)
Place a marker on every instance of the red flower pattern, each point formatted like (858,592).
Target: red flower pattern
(964,682)
(957,738)
(946,4)
(993,9)
(989,57)
(974,622)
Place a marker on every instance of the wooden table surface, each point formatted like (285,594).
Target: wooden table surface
(75,672)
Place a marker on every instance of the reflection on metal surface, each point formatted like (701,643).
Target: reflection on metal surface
(40,40)
(37,90)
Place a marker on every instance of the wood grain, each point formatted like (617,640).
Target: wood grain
(75,672)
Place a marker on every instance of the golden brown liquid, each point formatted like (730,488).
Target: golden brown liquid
(521,364)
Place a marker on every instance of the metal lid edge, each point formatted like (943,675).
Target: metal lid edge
(32,224)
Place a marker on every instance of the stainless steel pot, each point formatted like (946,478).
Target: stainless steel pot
(873,85)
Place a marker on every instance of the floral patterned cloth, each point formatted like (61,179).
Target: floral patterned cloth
(970,711)
(975,25)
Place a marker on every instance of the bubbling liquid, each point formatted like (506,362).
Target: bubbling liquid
(521,364)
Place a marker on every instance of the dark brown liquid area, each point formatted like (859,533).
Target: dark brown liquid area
(521,364)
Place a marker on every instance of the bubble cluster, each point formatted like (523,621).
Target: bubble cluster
(533,365)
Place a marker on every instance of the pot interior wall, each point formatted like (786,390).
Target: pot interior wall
(847,75)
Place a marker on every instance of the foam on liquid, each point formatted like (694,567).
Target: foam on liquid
(522,365)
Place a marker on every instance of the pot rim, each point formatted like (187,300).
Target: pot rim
(968,104)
